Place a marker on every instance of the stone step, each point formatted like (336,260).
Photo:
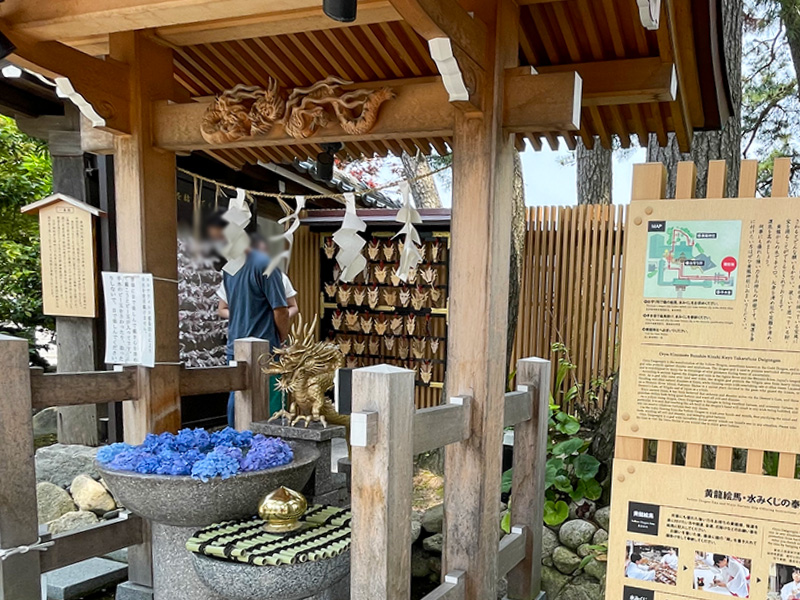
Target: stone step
(86,577)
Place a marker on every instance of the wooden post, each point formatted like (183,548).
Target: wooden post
(530,459)
(147,233)
(382,485)
(252,404)
(476,359)
(19,523)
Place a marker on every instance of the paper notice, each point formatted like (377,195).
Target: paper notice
(130,319)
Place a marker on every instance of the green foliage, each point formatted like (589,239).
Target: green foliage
(25,176)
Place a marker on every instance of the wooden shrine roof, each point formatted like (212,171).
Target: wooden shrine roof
(218,44)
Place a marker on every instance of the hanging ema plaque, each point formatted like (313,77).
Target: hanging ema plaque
(69,271)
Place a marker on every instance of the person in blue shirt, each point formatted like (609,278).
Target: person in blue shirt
(257,304)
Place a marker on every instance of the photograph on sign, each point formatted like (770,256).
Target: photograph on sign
(646,561)
(702,532)
(711,327)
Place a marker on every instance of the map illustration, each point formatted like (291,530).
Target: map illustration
(692,259)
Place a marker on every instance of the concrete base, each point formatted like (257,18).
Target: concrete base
(83,578)
(338,591)
(132,591)
(174,575)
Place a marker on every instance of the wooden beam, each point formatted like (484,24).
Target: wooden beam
(48,20)
(442,425)
(96,540)
(629,81)
(310,18)
(73,389)
(511,551)
(544,103)
(518,408)
(452,588)
(102,84)
(214,380)
(419,110)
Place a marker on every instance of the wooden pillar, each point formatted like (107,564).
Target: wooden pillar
(479,280)
(252,404)
(19,524)
(382,485)
(147,229)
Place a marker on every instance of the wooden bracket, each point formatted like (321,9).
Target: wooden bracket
(99,88)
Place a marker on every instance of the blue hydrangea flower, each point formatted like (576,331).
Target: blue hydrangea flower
(222,461)
(108,453)
(197,453)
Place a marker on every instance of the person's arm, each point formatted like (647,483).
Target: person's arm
(223,311)
(294,310)
(281,316)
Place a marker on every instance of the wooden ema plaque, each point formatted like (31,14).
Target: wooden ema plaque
(69,268)
(710,367)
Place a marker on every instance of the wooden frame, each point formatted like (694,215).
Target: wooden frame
(386,433)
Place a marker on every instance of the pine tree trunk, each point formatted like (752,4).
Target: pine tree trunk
(713,145)
(423,190)
(790,17)
(518,228)
(594,174)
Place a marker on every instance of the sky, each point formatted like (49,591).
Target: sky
(550,177)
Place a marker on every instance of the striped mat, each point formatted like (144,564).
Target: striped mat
(325,533)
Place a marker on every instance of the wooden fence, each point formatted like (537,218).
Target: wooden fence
(571,290)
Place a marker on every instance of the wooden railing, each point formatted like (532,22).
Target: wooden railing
(386,434)
(24,389)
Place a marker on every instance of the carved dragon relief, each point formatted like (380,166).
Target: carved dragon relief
(248,111)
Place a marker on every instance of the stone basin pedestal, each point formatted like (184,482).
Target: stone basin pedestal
(178,506)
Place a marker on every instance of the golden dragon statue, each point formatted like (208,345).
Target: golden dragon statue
(307,369)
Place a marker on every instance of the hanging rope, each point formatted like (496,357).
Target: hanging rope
(340,197)
(39,545)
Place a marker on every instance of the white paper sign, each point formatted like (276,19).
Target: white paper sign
(130,319)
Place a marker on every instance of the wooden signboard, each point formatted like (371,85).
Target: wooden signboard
(69,267)
(710,367)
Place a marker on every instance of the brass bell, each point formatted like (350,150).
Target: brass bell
(281,510)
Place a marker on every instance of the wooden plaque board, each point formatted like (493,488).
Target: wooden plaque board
(754,521)
(710,362)
(711,333)
(69,271)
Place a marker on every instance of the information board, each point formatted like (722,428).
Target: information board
(130,319)
(701,532)
(68,260)
(710,357)
(711,327)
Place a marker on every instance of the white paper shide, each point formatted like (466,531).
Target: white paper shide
(350,258)
(130,319)
(410,257)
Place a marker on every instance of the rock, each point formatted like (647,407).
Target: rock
(420,563)
(602,516)
(433,519)
(574,533)
(549,542)
(584,550)
(553,581)
(52,501)
(416,529)
(77,519)
(596,569)
(61,463)
(434,543)
(600,537)
(581,588)
(45,422)
(547,561)
(435,564)
(584,509)
(91,495)
(502,588)
(565,560)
